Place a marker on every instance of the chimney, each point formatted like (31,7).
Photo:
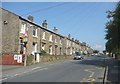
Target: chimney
(55,30)
(30,18)
(44,24)
(72,39)
(69,36)
(75,40)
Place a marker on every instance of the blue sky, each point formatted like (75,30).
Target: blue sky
(83,20)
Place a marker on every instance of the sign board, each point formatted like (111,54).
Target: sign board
(19,59)
(15,57)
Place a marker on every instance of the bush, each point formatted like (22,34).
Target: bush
(30,59)
(43,53)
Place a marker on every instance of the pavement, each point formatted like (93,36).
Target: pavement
(113,71)
(90,69)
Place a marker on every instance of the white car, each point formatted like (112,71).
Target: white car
(78,56)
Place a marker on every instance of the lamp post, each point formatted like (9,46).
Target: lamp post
(25,46)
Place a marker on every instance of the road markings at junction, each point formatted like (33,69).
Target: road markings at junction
(89,79)
(92,73)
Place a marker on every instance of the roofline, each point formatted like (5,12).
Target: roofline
(41,27)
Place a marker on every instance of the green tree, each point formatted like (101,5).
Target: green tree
(113,31)
(95,51)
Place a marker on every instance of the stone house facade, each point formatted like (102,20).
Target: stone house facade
(16,31)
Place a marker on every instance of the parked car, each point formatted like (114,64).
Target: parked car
(78,56)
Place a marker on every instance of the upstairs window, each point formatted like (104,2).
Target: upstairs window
(50,39)
(43,46)
(60,40)
(23,28)
(35,32)
(55,39)
(43,36)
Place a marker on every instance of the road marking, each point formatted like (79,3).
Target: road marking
(99,67)
(36,68)
(91,79)
(92,73)
(3,79)
(43,69)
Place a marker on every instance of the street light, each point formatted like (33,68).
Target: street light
(25,46)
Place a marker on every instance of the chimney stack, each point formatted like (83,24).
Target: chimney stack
(55,30)
(69,36)
(72,39)
(30,18)
(44,24)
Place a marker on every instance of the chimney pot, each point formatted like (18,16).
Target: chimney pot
(44,24)
(30,18)
(55,30)
(69,36)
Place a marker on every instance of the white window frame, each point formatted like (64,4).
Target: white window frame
(55,39)
(43,35)
(50,38)
(61,41)
(35,48)
(23,28)
(35,33)
(43,46)
(50,47)
(67,43)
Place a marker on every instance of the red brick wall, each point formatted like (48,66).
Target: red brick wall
(8,59)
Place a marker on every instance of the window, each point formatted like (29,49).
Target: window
(21,47)
(34,48)
(43,46)
(67,42)
(50,39)
(60,40)
(23,28)
(43,37)
(50,50)
(55,39)
(35,32)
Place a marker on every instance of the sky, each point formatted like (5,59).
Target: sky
(83,20)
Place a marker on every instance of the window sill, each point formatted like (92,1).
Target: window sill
(35,36)
(22,32)
(43,39)
(50,41)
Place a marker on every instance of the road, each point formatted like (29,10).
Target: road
(90,69)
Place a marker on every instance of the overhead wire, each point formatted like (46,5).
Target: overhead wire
(45,9)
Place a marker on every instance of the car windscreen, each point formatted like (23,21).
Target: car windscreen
(77,53)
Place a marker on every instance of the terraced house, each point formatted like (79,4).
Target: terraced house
(17,31)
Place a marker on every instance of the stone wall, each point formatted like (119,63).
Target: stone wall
(10,32)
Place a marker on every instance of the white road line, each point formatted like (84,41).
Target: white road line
(3,79)
(99,67)
(36,68)
(43,69)
(92,73)
(39,68)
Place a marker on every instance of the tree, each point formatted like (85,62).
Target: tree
(113,31)
(104,51)
(95,51)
